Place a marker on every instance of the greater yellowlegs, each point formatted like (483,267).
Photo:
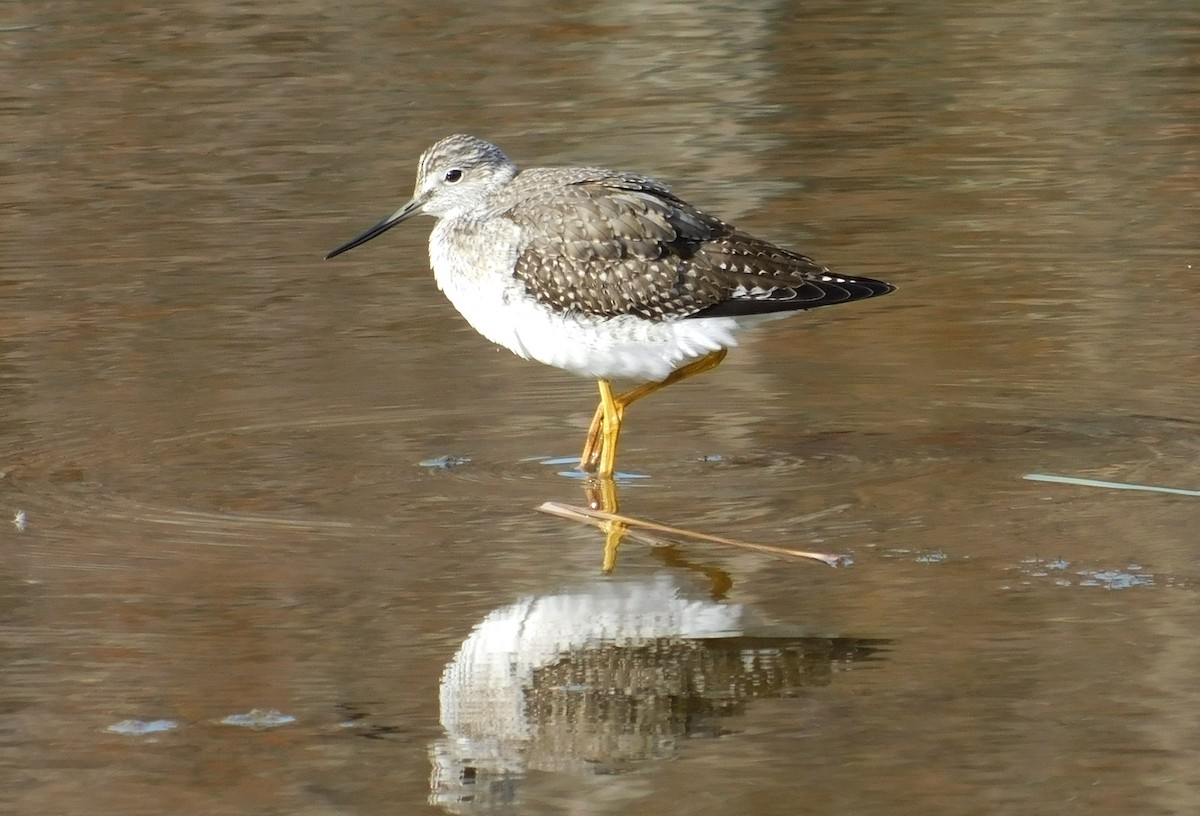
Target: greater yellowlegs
(602,273)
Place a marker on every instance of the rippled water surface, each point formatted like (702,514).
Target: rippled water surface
(273,544)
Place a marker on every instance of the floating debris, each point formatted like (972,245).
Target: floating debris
(21,520)
(1040,568)
(258,720)
(595,517)
(139,728)
(1133,575)
(445,462)
(1073,480)
(1116,579)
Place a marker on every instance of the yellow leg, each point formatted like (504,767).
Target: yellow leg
(600,448)
(705,363)
(598,431)
(610,430)
(591,452)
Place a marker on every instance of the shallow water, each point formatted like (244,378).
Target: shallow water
(274,545)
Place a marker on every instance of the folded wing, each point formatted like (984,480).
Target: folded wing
(613,244)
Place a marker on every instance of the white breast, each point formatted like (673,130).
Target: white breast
(481,286)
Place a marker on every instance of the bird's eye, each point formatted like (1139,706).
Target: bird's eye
(453,175)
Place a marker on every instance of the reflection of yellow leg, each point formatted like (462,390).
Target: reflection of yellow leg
(600,448)
(602,495)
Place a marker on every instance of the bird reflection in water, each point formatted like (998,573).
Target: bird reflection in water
(602,677)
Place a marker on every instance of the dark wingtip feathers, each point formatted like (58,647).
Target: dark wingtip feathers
(812,293)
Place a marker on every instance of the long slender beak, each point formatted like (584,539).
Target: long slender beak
(407,211)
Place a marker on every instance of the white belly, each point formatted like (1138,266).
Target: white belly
(625,347)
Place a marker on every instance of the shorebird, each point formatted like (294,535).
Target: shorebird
(602,273)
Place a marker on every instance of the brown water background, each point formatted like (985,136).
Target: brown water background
(221,452)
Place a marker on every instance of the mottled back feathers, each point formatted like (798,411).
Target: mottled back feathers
(608,244)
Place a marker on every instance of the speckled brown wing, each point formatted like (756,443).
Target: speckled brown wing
(611,246)
(618,244)
(761,278)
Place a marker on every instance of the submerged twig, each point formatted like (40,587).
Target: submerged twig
(597,517)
